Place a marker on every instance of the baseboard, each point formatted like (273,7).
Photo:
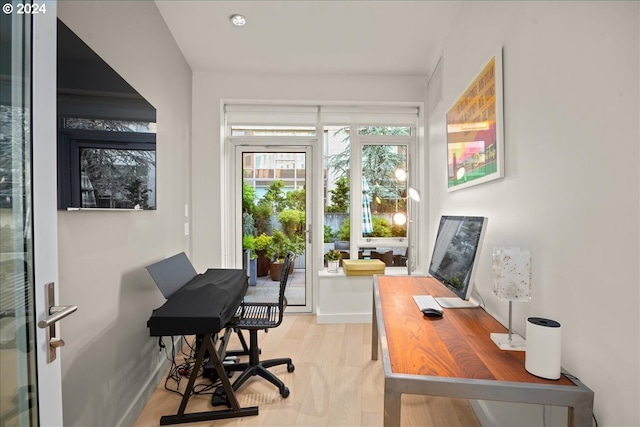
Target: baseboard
(331,318)
(485,418)
(137,405)
(516,414)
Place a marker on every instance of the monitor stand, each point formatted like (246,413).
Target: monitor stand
(455,302)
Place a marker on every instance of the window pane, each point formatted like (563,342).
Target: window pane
(261,170)
(383,194)
(336,189)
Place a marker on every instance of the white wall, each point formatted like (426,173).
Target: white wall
(571,189)
(109,358)
(209,89)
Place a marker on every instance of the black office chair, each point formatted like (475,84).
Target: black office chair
(257,316)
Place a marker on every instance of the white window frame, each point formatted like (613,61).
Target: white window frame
(357,143)
(347,115)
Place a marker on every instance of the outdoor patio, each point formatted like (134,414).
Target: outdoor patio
(267,289)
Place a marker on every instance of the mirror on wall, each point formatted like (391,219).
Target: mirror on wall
(106,133)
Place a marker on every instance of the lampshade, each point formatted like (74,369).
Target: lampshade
(512,273)
(414,194)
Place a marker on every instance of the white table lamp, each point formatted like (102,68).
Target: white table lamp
(511,282)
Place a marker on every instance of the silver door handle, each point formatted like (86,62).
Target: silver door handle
(57,313)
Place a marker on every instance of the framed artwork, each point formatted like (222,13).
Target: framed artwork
(475,136)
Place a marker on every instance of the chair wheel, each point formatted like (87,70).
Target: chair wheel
(290,367)
(284,392)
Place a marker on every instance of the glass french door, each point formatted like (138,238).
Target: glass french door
(18,388)
(30,387)
(276,219)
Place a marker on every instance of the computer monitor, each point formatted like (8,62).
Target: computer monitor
(455,257)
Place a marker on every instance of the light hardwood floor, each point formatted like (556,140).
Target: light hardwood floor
(335,383)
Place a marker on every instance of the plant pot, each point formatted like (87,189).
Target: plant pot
(332,266)
(253,270)
(275,270)
(263,264)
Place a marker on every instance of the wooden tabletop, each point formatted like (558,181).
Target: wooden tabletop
(456,345)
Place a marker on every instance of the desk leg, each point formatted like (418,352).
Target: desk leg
(392,405)
(374,332)
(579,417)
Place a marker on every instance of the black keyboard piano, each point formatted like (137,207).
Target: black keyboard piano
(203,307)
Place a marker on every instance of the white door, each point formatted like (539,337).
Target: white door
(31,386)
(259,166)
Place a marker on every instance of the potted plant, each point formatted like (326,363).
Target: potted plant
(281,245)
(261,245)
(248,244)
(333,258)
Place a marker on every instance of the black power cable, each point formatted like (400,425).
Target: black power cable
(178,371)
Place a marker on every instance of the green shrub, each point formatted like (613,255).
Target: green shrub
(399,230)
(381,227)
(262,242)
(339,196)
(329,234)
(296,199)
(262,217)
(281,245)
(344,233)
(249,244)
(292,221)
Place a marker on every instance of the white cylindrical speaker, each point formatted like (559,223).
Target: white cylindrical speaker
(542,357)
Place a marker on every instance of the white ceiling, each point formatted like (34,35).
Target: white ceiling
(311,37)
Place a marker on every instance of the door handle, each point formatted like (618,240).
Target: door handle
(55,314)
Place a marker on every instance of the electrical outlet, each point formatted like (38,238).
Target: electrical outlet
(186,228)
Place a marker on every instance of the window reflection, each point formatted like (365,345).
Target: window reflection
(114,178)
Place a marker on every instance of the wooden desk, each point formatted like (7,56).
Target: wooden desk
(453,356)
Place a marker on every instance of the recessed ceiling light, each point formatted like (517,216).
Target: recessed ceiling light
(238,20)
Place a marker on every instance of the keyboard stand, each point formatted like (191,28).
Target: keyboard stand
(235,411)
